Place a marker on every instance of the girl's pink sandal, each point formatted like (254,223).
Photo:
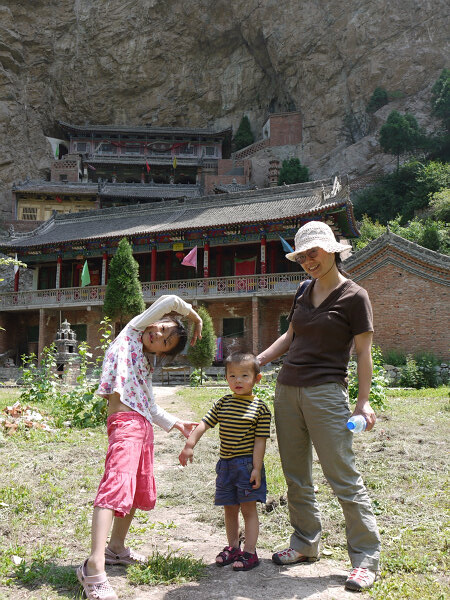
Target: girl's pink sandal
(96,587)
(127,557)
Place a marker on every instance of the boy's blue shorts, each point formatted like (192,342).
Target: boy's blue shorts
(233,482)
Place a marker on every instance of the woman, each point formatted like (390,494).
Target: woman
(311,402)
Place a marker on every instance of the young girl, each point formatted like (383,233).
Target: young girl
(128,481)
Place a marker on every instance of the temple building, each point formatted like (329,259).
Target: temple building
(101,166)
(242,275)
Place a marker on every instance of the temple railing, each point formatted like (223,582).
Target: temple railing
(272,284)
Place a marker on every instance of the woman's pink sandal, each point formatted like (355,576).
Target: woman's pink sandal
(96,587)
(228,555)
(249,561)
(127,557)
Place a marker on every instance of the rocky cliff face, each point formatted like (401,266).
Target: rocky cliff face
(206,63)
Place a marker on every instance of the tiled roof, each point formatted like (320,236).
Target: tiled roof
(255,206)
(427,263)
(160,190)
(55,187)
(146,129)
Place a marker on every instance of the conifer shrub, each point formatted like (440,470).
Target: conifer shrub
(123,296)
(378,99)
(244,136)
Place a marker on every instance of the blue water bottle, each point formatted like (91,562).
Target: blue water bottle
(356,424)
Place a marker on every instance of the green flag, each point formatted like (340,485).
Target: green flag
(85,277)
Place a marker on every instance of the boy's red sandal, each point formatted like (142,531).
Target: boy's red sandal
(249,561)
(228,556)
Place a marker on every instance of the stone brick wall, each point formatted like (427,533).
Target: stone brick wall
(411,313)
(285,129)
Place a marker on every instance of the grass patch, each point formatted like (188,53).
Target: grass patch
(166,569)
(404,465)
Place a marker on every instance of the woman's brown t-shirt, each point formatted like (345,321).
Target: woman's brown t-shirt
(320,350)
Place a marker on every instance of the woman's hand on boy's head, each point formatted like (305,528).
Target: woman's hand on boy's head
(186,427)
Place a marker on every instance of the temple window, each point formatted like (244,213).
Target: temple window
(81,146)
(107,149)
(29,213)
(187,150)
(133,149)
(233,327)
(62,177)
(210,150)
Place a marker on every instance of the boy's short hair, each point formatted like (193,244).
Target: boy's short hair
(181,332)
(240,357)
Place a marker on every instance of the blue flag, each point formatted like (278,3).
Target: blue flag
(286,246)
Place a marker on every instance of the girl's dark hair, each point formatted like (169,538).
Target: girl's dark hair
(181,332)
(338,259)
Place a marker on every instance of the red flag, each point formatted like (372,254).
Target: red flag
(190,260)
(148,166)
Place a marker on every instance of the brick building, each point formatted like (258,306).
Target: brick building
(243,277)
(409,289)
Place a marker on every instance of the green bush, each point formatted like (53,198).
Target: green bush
(292,171)
(203,353)
(378,99)
(244,136)
(380,382)
(78,404)
(410,376)
(396,358)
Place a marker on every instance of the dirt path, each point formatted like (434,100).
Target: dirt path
(322,580)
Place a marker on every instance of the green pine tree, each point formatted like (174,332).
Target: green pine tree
(400,134)
(378,99)
(292,171)
(123,296)
(202,354)
(244,136)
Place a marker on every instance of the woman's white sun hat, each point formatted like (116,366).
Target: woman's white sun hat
(316,234)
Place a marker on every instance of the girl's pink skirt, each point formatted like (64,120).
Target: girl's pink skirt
(128,481)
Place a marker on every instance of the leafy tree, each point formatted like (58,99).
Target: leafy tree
(378,99)
(404,192)
(244,136)
(428,233)
(123,296)
(440,205)
(292,171)
(401,134)
(202,354)
(440,98)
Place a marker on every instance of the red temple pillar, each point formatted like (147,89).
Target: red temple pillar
(168,260)
(272,257)
(153,265)
(263,254)
(104,268)
(206,260)
(77,275)
(219,261)
(58,272)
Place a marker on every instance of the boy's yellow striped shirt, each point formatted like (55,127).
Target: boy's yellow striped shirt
(241,419)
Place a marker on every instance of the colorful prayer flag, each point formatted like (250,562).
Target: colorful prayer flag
(57,151)
(286,246)
(174,162)
(148,166)
(85,277)
(16,267)
(190,260)
(90,167)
